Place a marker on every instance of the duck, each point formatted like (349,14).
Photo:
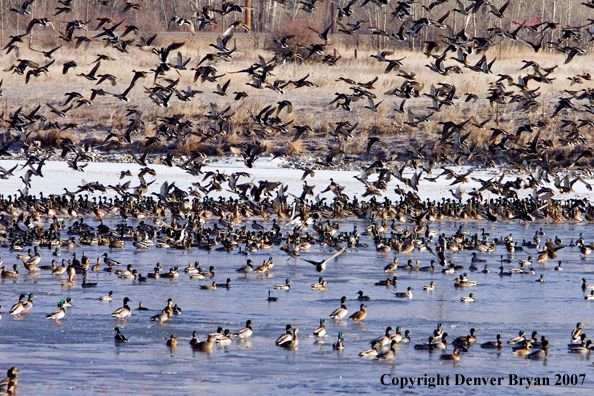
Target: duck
(559,267)
(286,286)
(69,282)
(502,273)
(119,337)
(213,286)
(406,338)
(164,316)
(172,273)
(294,342)
(339,344)
(27,305)
(443,343)
(194,339)
(362,297)
(246,332)
(485,269)
(359,315)
(209,273)
(125,272)
(123,312)
(67,303)
(246,269)
(468,299)
(451,356)
(10,274)
(590,296)
(341,312)
(523,351)
(141,307)
(431,287)
(18,308)
(320,286)
(408,294)
(429,346)
(386,338)
(493,344)
(270,298)
(541,279)
(321,330)
(541,353)
(388,282)
(171,342)
(389,354)
(225,339)
(586,286)
(577,332)
(204,346)
(521,337)
(285,337)
(87,285)
(59,314)
(371,352)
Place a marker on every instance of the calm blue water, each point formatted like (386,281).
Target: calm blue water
(79,356)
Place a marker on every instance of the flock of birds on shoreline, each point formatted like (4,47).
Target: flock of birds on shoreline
(455,141)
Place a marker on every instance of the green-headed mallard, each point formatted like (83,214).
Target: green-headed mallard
(431,287)
(226,285)
(87,285)
(59,314)
(67,303)
(339,344)
(292,343)
(521,337)
(123,312)
(359,315)
(225,339)
(468,299)
(194,339)
(341,312)
(320,331)
(320,286)
(247,269)
(541,353)
(10,274)
(388,282)
(246,331)
(27,305)
(286,286)
(577,332)
(586,286)
(429,346)
(119,337)
(541,279)
(125,272)
(590,296)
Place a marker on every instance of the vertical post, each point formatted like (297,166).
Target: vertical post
(248,14)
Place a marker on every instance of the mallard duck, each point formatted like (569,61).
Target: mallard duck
(204,346)
(247,269)
(359,315)
(493,344)
(246,331)
(171,342)
(67,303)
(125,272)
(27,305)
(388,282)
(176,310)
(362,297)
(559,267)
(339,344)
(584,347)
(69,282)
(286,286)
(61,269)
(431,287)
(270,298)
(285,337)
(87,285)
(119,337)
(429,346)
(341,312)
(10,274)
(386,338)
(485,269)
(541,353)
(97,267)
(226,285)
(577,332)
(590,296)
(294,342)
(443,343)
(141,307)
(502,273)
(408,294)
(213,286)
(225,339)
(165,315)
(123,312)
(451,356)
(372,352)
(438,332)
(523,351)
(392,266)
(406,338)
(18,308)
(320,286)
(521,337)
(320,331)
(59,314)
(389,354)
(541,279)
(194,339)
(218,334)
(468,299)
(586,286)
